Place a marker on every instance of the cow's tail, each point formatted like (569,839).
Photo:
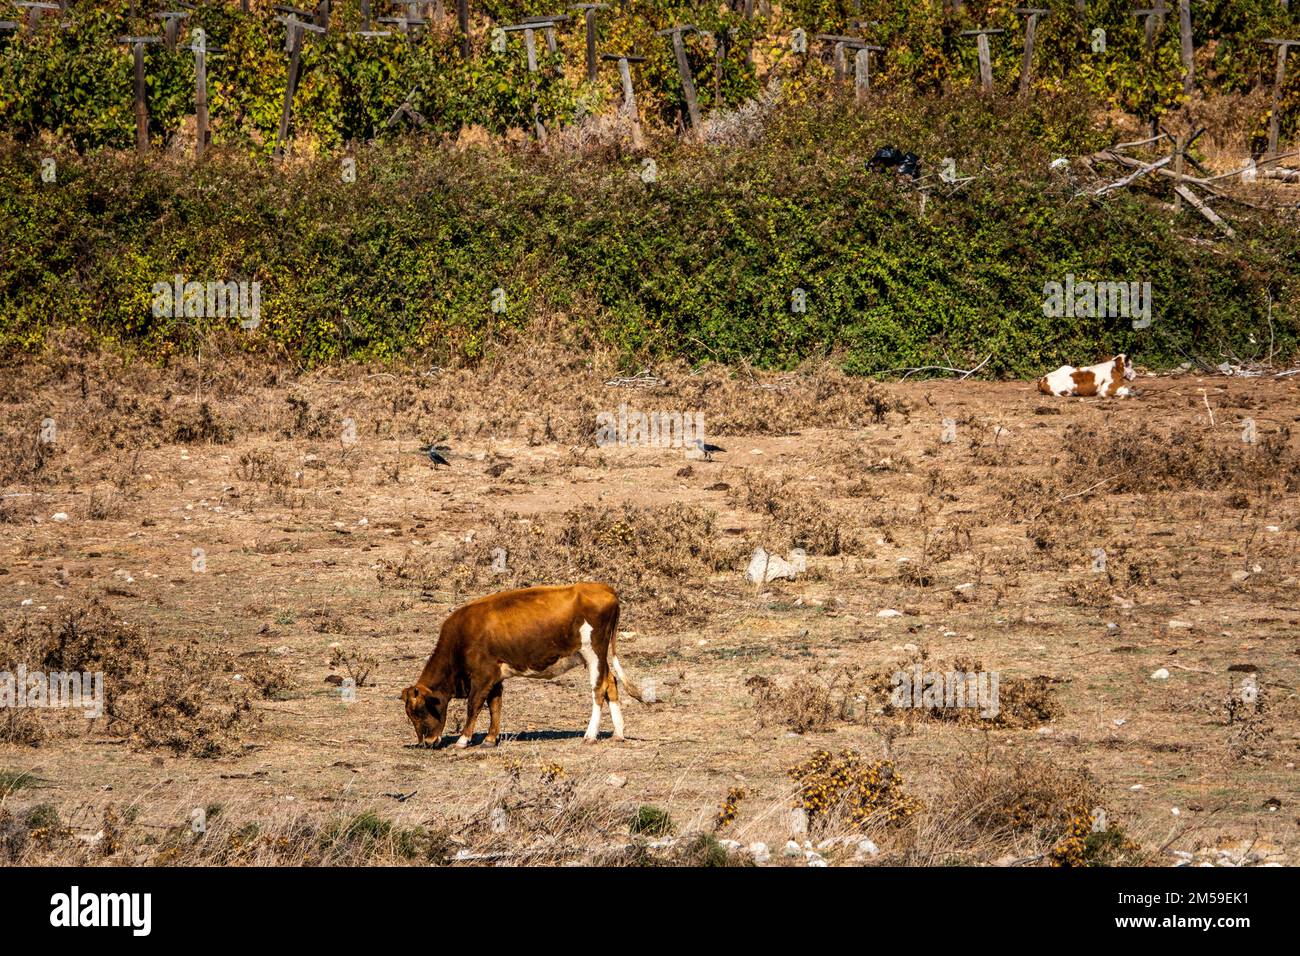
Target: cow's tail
(625,683)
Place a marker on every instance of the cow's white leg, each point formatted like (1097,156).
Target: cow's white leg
(616,714)
(593,672)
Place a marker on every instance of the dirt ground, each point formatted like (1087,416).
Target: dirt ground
(309,528)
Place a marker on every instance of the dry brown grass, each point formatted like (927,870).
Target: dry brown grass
(312,541)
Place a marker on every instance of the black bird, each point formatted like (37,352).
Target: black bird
(910,165)
(707,449)
(887,157)
(437,454)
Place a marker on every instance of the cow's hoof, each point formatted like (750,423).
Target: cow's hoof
(490,742)
(588,740)
(618,738)
(462,743)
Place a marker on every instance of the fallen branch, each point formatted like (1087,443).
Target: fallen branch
(961,372)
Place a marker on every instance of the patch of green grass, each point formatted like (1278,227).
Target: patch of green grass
(14,780)
(651,821)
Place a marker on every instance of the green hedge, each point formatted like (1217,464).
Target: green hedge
(700,264)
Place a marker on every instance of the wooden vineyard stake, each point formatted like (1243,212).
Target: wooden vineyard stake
(141,107)
(199,46)
(295,28)
(1279,78)
(171,27)
(862,69)
(529,29)
(589,14)
(1154,22)
(629,96)
(1187,52)
(986,62)
(547,24)
(462,22)
(684,70)
(35,11)
(1032,16)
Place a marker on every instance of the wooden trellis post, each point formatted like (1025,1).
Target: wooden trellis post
(986,63)
(1032,15)
(295,28)
(530,28)
(171,26)
(462,21)
(862,69)
(296,13)
(629,96)
(589,14)
(548,24)
(1154,22)
(199,46)
(1185,46)
(837,53)
(1279,78)
(141,107)
(684,70)
(36,10)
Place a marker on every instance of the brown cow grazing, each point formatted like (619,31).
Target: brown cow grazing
(539,632)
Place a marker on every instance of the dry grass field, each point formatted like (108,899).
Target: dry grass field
(252,684)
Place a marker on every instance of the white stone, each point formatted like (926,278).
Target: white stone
(889,612)
(1161,674)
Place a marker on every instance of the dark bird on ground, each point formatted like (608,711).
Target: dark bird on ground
(887,157)
(437,454)
(707,449)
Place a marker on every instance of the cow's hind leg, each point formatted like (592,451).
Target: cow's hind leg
(596,671)
(609,692)
(494,711)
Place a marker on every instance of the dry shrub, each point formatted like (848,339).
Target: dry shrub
(1018,803)
(184,697)
(645,553)
(1022,701)
(358,666)
(844,794)
(805,704)
(1246,713)
(1139,459)
(1033,803)
(796,516)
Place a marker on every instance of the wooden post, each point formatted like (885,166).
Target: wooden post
(1180,150)
(589,14)
(862,69)
(35,11)
(296,30)
(365,15)
(462,21)
(1279,78)
(719,61)
(1154,21)
(141,107)
(171,26)
(684,71)
(530,42)
(629,96)
(1031,28)
(986,63)
(1185,43)
(199,46)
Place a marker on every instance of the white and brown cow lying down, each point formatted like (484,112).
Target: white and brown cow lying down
(1106,379)
(539,632)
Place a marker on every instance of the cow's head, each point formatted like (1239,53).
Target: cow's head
(427,711)
(1125,368)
